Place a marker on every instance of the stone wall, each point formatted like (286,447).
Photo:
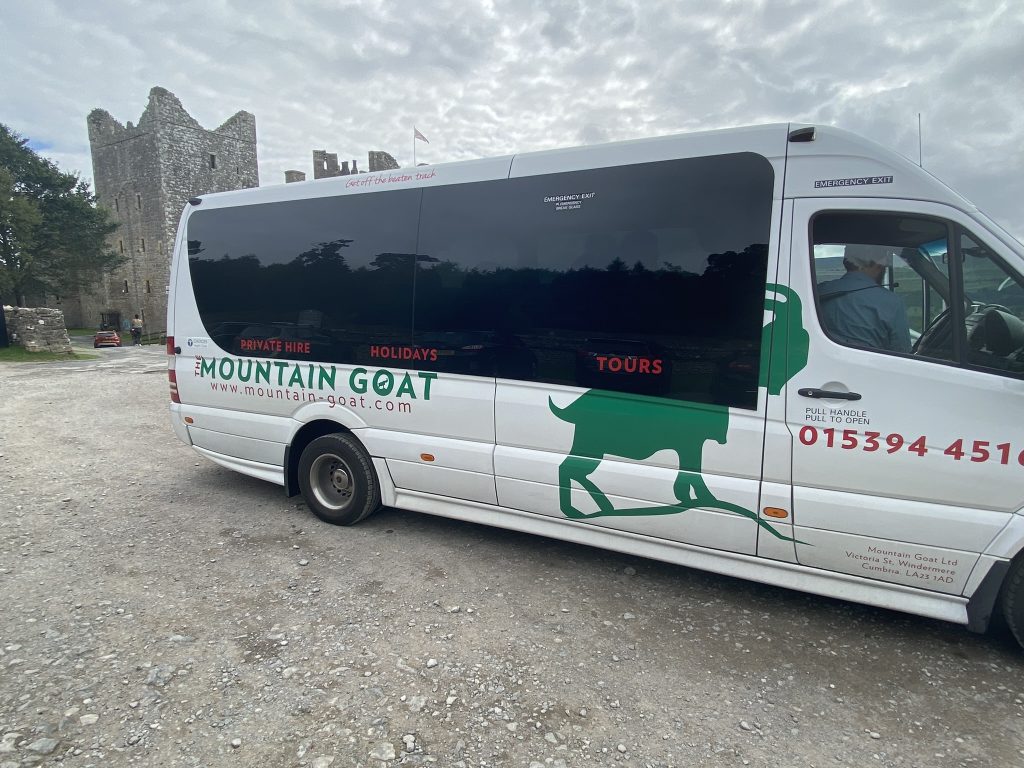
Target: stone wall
(37,329)
(381,161)
(325,165)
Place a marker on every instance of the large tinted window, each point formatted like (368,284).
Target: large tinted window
(644,278)
(325,279)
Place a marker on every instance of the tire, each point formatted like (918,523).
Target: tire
(1012,600)
(337,479)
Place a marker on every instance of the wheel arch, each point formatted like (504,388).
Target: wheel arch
(306,434)
(986,600)
(1002,555)
(1012,580)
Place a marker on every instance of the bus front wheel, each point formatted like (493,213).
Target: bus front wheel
(1012,599)
(338,480)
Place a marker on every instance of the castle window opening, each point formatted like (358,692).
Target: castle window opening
(142,244)
(117,205)
(126,286)
(120,244)
(148,289)
(138,202)
(213,161)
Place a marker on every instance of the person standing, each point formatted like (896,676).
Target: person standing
(136,330)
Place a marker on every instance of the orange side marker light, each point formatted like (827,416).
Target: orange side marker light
(776,512)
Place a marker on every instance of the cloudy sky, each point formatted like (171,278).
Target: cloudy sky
(487,77)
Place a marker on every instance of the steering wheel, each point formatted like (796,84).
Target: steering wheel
(997,330)
(936,337)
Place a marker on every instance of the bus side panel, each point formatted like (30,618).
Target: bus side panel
(911,479)
(659,429)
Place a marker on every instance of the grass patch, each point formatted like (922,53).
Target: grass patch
(14,354)
(81,331)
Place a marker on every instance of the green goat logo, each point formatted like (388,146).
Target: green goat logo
(637,427)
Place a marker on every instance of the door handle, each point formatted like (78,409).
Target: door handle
(825,394)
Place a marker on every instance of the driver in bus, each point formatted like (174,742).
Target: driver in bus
(858,310)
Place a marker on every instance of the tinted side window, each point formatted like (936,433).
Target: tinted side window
(645,278)
(324,279)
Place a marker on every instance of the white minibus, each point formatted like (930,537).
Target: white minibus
(782,353)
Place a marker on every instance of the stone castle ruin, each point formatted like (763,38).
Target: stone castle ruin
(325,165)
(144,174)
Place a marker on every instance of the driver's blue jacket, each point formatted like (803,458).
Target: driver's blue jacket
(858,311)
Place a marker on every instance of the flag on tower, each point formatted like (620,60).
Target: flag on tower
(417,135)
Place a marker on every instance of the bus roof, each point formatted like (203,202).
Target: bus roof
(834,163)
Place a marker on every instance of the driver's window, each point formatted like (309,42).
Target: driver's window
(883,282)
(994,302)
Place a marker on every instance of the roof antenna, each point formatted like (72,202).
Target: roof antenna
(920,164)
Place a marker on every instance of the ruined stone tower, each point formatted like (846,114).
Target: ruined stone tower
(325,165)
(145,174)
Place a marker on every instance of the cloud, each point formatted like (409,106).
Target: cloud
(500,76)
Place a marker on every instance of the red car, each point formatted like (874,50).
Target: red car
(106,339)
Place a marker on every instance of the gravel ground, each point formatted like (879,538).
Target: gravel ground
(157,610)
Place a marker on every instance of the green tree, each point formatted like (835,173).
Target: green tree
(52,234)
